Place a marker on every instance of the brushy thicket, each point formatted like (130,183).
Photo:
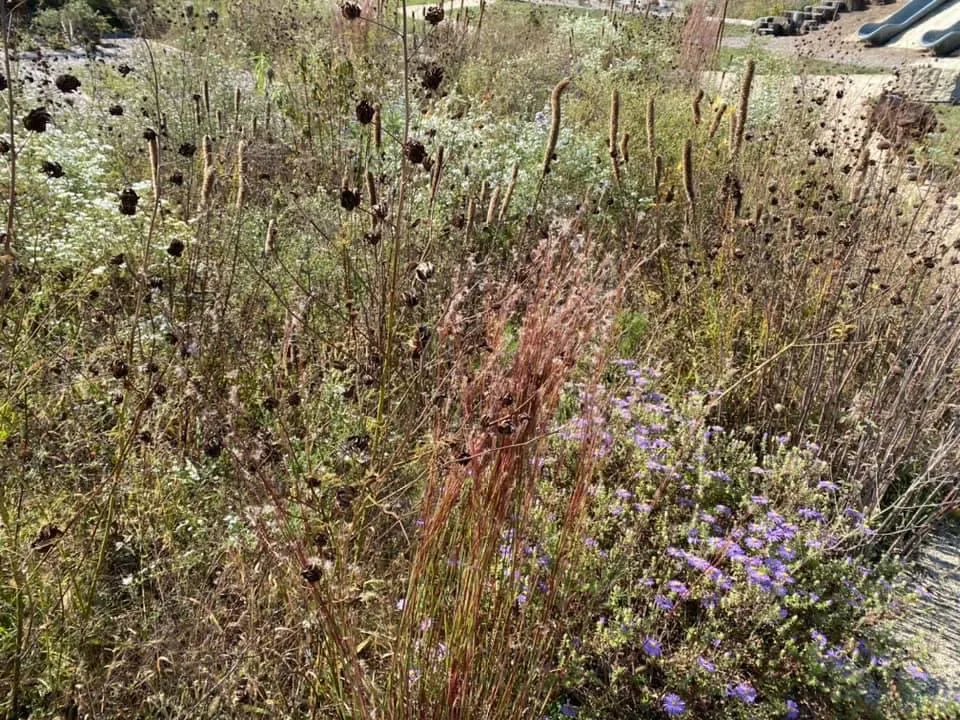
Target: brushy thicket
(473,365)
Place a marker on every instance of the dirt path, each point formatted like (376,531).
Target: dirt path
(936,618)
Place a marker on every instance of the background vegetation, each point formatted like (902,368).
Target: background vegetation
(478,364)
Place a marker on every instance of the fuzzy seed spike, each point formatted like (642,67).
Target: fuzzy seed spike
(554,125)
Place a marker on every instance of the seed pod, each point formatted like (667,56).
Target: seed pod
(492,208)
(270,240)
(651,127)
(554,125)
(696,106)
(508,195)
(744,106)
(614,133)
(241,183)
(688,173)
(717,117)
(371,188)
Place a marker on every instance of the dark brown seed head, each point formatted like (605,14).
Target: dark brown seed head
(414,151)
(119,369)
(349,199)
(365,112)
(116,110)
(187,149)
(350,10)
(128,202)
(311,573)
(432,76)
(52,169)
(37,120)
(176,178)
(67,83)
(434,15)
(175,248)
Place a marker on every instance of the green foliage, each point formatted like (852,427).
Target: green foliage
(329,428)
(76,22)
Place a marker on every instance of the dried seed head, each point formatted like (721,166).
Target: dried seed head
(67,83)
(128,202)
(432,76)
(349,199)
(434,15)
(554,125)
(350,10)
(176,248)
(365,112)
(270,240)
(37,120)
(414,151)
(52,169)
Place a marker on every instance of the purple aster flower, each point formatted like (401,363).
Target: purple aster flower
(819,638)
(793,712)
(706,664)
(760,500)
(854,515)
(756,470)
(643,507)
(760,579)
(721,510)
(590,542)
(744,692)
(673,705)
(623,494)
(917,673)
(718,475)
(753,543)
(652,647)
(787,554)
(568,710)
(663,603)
(678,587)
(827,486)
